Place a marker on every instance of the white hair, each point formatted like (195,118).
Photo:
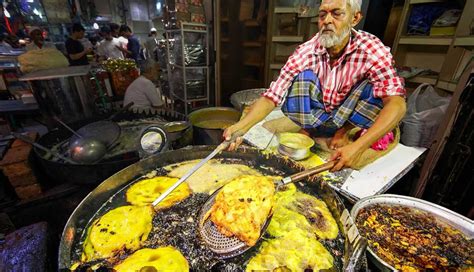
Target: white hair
(355,5)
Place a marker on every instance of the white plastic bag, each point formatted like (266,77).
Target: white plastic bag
(425,111)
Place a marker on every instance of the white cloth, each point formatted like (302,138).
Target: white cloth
(143,93)
(109,50)
(123,41)
(33,46)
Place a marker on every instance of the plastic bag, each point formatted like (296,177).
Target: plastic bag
(425,110)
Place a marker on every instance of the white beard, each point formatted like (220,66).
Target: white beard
(331,40)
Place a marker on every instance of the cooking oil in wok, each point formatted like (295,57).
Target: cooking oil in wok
(178,227)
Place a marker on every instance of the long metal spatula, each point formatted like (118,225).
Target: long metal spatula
(224,145)
(228,247)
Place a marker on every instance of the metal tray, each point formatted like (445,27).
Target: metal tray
(455,220)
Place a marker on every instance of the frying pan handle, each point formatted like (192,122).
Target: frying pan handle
(312,171)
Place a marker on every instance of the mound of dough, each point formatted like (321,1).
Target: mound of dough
(159,259)
(123,228)
(144,192)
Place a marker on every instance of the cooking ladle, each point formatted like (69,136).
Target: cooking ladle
(84,150)
(30,141)
(228,247)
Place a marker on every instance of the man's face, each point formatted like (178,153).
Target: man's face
(115,33)
(107,36)
(126,34)
(81,34)
(335,22)
(37,36)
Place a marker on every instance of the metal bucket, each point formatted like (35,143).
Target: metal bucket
(209,124)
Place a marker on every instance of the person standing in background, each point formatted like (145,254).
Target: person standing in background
(107,48)
(133,45)
(143,92)
(37,40)
(151,45)
(115,31)
(76,53)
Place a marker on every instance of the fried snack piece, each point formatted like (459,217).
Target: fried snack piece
(297,250)
(144,192)
(297,210)
(242,207)
(211,176)
(123,228)
(159,259)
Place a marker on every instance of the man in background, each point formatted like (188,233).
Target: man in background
(107,48)
(76,53)
(115,31)
(151,45)
(37,40)
(133,46)
(143,92)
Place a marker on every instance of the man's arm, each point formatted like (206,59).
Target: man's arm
(80,55)
(259,110)
(272,97)
(392,113)
(123,50)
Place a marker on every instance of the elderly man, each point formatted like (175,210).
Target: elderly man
(37,40)
(339,79)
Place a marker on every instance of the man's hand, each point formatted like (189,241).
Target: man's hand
(346,156)
(230,131)
(340,139)
(122,49)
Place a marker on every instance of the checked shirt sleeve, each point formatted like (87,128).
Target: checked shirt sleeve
(294,65)
(382,74)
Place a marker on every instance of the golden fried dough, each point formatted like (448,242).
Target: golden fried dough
(242,207)
(144,192)
(123,228)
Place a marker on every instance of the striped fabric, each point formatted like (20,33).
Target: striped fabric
(365,57)
(304,106)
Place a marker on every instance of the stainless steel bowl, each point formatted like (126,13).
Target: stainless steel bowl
(295,145)
(294,153)
(447,216)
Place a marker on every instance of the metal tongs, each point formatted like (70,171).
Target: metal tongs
(223,146)
(228,247)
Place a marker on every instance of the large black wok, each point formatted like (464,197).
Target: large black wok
(61,172)
(87,209)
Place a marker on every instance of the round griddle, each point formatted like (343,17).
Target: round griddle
(345,251)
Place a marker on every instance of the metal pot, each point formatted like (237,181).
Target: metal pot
(457,221)
(92,205)
(209,124)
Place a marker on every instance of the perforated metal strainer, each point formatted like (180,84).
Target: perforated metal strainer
(228,247)
(225,247)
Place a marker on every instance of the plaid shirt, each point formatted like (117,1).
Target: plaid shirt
(365,57)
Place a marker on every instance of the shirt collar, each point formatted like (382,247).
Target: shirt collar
(354,42)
